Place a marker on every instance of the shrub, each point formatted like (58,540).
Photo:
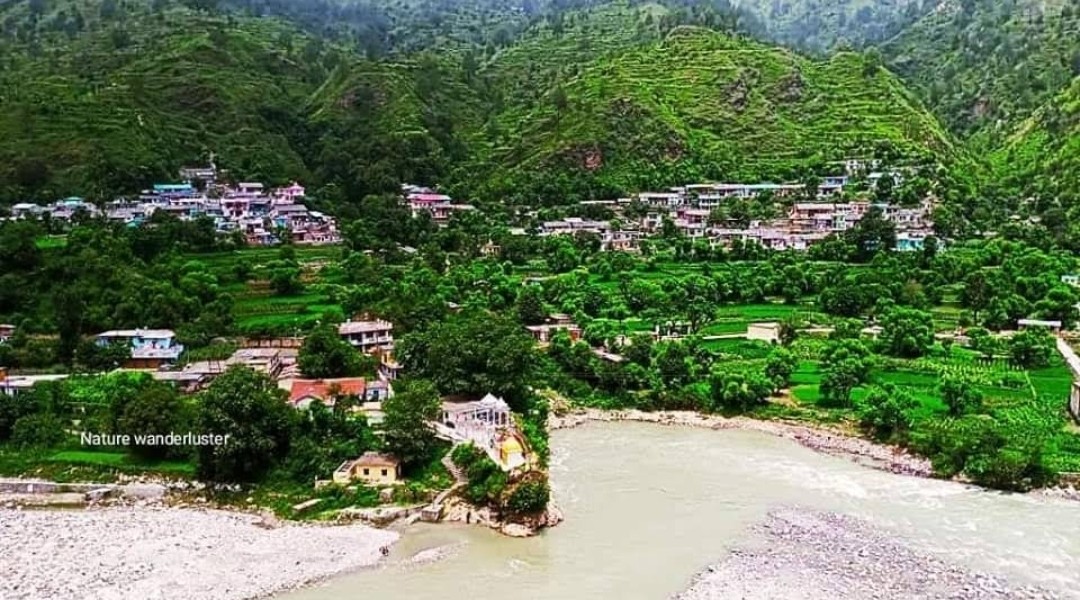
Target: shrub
(529,497)
(42,430)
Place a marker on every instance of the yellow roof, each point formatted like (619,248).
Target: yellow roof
(511,445)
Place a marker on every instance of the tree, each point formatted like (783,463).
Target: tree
(326,355)
(846,364)
(1031,348)
(733,391)
(38,430)
(960,396)
(95,357)
(285,278)
(530,305)
(474,353)
(788,331)
(907,332)
(407,428)
(873,234)
(1059,304)
(976,293)
(779,366)
(887,411)
(529,497)
(249,408)
(883,190)
(155,410)
(672,363)
(872,62)
(639,349)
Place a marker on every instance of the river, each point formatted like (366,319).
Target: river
(648,506)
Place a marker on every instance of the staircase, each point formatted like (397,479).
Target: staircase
(456,471)
(434,511)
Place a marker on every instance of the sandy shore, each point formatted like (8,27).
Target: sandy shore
(171,554)
(803,555)
(820,439)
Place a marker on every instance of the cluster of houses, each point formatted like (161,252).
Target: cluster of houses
(487,423)
(691,210)
(423,200)
(262,216)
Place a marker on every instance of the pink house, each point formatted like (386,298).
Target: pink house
(292,193)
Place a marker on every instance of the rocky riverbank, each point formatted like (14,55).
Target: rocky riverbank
(172,554)
(880,456)
(458,510)
(823,556)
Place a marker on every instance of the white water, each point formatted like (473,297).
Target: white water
(648,506)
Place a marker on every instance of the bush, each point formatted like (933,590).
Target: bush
(487,482)
(41,430)
(886,411)
(466,455)
(529,498)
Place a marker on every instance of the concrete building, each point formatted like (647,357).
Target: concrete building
(368,336)
(372,467)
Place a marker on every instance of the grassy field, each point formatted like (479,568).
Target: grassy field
(82,465)
(256,307)
(1009,393)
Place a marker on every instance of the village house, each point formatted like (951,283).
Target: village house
(150,348)
(246,209)
(424,200)
(765,332)
(670,331)
(7,331)
(268,361)
(304,392)
(1054,326)
(621,240)
(371,468)
(555,323)
(11,385)
(185,381)
(370,336)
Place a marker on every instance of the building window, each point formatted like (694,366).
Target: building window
(384,472)
(366,472)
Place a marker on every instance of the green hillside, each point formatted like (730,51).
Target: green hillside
(103,98)
(983,66)
(702,105)
(125,101)
(819,26)
(1042,157)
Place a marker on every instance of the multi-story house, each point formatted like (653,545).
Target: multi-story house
(150,348)
(368,336)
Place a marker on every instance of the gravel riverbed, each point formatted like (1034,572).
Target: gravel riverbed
(171,554)
(804,555)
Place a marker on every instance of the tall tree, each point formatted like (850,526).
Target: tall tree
(474,353)
(250,409)
(325,355)
(407,426)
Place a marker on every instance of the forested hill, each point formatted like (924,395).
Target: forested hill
(983,66)
(699,105)
(1042,158)
(820,26)
(101,97)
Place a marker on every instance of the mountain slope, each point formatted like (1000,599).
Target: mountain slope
(1042,157)
(703,105)
(596,102)
(985,65)
(819,26)
(127,100)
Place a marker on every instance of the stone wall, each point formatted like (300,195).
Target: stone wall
(1073,361)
